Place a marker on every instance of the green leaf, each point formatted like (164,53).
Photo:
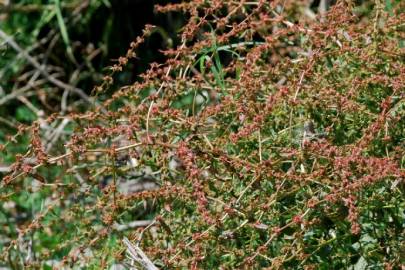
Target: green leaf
(388,7)
(25,114)
(63,31)
(361,264)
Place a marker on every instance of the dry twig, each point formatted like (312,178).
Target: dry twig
(136,254)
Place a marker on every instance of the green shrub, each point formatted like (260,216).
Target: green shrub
(269,138)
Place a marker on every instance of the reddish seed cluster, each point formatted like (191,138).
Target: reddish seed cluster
(297,219)
(350,202)
(194,174)
(37,146)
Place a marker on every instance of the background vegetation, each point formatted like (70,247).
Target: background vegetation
(233,134)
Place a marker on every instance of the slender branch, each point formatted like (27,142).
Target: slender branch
(53,160)
(137,254)
(45,73)
(131,225)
